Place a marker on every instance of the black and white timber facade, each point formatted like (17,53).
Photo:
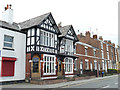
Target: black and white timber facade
(45,47)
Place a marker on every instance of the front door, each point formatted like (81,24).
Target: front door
(35,69)
(60,68)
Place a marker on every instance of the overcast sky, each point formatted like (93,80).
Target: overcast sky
(84,15)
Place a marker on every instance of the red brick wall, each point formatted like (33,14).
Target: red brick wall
(28,57)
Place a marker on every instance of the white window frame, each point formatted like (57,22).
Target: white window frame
(107,47)
(9,42)
(103,65)
(108,56)
(48,73)
(102,54)
(67,65)
(75,64)
(91,66)
(86,50)
(86,60)
(49,36)
(94,52)
(69,47)
(95,64)
(101,45)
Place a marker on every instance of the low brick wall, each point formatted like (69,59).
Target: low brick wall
(48,81)
(59,80)
(82,78)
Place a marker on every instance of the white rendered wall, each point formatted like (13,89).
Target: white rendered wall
(19,53)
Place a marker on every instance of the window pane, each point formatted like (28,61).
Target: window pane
(41,38)
(32,40)
(7,45)
(33,32)
(35,65)
(38,32)
(8,38)
(47,39)
(28,34)
(28,41)
(44,67)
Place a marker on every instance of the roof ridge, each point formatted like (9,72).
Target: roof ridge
(35,17)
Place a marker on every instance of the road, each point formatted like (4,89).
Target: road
(101,83)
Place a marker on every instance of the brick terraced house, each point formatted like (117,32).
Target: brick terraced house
(94,54)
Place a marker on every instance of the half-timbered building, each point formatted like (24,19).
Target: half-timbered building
(66,51)
(42,46)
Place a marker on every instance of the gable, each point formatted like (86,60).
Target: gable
(49,24)
(71,34)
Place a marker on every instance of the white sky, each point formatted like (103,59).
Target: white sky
(84,15)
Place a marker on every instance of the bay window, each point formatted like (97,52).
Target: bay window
(68,65)
(69,47)
(49,65)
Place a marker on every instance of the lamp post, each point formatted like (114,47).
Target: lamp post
(30,61)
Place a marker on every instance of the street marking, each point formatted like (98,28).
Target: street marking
(116,83)
(105,86)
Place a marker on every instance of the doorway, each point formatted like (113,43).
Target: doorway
(35,66)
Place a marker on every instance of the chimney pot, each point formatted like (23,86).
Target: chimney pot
(100,37)
(95,36)
(7,15)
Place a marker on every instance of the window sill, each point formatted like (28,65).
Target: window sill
(49,74)
(9,49)
(68,72)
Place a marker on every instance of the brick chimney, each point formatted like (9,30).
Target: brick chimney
(109,41)
(7,14)
(105,41)
(113,44)
(95,36)
(87,34)
(100,37)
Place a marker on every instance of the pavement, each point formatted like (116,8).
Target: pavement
(91,83)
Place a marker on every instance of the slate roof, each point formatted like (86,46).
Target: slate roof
(14,26)
(33,22)
(64,30)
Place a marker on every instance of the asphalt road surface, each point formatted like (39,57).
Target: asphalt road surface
(102,83)
(99,84)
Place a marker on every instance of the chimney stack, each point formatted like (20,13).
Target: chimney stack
(87,34)
(95,36)
(59,24)
(100,37)
(109,41)
(7,14)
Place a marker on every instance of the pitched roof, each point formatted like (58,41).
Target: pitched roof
(64,30)
(14,26)
(33,22)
